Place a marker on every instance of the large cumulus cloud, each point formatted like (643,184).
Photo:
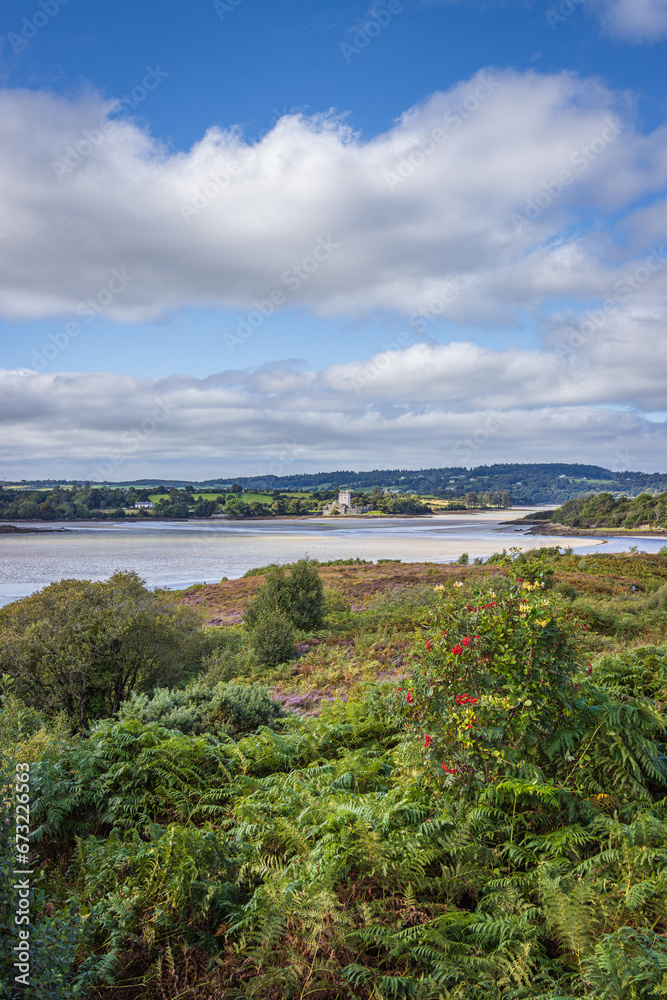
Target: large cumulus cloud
(487,189)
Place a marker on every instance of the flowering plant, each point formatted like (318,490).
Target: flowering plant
(491,678)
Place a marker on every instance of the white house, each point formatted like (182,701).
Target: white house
(144,504)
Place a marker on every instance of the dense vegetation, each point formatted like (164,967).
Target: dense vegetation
(603,511)
(101,503)
(496,484)
(456,789)
(83,647)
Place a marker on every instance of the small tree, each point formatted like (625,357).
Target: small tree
(272,639)
(83,647)
(297,597)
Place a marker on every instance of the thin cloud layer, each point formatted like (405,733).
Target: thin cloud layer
(638,21)
(477,204)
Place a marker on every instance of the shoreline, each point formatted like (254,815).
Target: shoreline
(8,528)
(551,528)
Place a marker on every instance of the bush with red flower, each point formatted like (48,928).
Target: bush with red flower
(496,682)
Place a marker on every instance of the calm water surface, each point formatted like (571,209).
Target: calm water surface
(179,553)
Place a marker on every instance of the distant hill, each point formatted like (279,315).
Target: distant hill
(526,483)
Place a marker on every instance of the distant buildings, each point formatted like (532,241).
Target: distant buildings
(144,504)
(343,505)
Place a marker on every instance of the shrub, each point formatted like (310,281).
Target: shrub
(247,707)
(532,566)
(298,597)
(272,639)
(262,570)
(639,673)
(224,665)
(226,708)
(82,647)
(566,590)
(658,599)
(463,559)
(510,655)
(18,721)
(336,600)
(605,620)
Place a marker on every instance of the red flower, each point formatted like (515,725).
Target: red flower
(457,649)
(427,741)
(467,641)
(409,698)
(590,669)
(464,699)
(449,770)
(428,646)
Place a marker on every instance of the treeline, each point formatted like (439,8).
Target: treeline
(604,511)
(525,482)
(553,483)
(105,502)
(64,503)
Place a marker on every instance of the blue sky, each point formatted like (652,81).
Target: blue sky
(440,196)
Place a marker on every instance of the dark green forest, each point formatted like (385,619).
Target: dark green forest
(604,511)
(525,483)
(391,780)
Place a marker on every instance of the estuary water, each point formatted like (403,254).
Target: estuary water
(177,554)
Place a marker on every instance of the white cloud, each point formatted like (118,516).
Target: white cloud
(635,20)
(426,405)
(436,200)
